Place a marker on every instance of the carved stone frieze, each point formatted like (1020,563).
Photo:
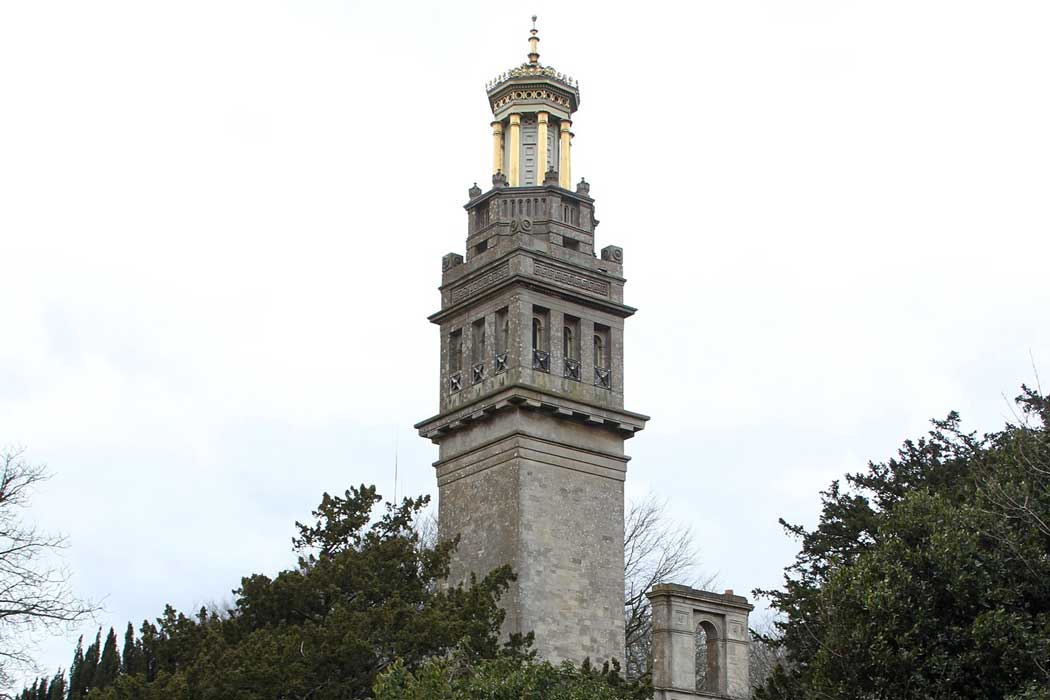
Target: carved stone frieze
(571,279)
(475,285)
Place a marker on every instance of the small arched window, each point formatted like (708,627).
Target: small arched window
(537,334)
(569,343)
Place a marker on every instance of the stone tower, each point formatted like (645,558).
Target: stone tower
(531,426)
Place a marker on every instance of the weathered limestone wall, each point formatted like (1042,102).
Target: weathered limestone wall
(545,496)
(574,529)
(483,510)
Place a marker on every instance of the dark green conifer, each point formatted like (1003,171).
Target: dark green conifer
(131,659)
(76,671)
(87,669)
(57,690)
(149,650)
(109,663)
(926,575)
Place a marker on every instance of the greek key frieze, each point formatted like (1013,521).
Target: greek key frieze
(572,279)
(478,283)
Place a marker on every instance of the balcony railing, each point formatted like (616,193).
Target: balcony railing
(455,382)
(603,377)
(541,360)
(572,369)
(501,363)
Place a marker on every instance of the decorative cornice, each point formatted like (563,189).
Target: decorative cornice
(527,70)
(526,190)
(676,590)
(526,397)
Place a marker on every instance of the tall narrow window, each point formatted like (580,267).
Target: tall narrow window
(541,356)
(477,351)
(455,351)
(455,360)
(602,356)
(599,351)
(502,339)
(570,347)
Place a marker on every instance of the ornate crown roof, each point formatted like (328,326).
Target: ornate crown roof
(531,83)
(532,70)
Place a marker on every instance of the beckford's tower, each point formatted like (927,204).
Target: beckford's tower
(531,425)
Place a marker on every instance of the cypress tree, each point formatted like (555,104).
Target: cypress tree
(76,671)
(87,669)
(149,650)
(109,663)
(57,691)
(41,691)
(131,659)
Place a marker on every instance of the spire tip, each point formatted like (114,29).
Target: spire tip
(534,40)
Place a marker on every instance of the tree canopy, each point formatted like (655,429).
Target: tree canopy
(928,576)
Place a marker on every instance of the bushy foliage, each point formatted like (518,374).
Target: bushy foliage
(509,676)
(929,575)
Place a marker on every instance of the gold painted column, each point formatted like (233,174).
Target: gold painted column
(497,147)
(565,167)
(541,138)
(515,149)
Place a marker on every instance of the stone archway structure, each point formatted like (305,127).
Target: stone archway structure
(678,611)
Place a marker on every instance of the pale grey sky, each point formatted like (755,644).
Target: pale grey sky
(221,226)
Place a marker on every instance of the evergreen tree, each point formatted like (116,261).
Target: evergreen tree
(149,650)
(929,575)
(109,663)
(90,664)
(57,690)
(131,659)
(76,672)
(41,691)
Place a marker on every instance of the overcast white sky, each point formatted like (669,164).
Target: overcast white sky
(221,226)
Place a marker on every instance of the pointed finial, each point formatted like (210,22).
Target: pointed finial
(534,40)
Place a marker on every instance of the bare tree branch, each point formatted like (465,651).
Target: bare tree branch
(35,592)
(655,550)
